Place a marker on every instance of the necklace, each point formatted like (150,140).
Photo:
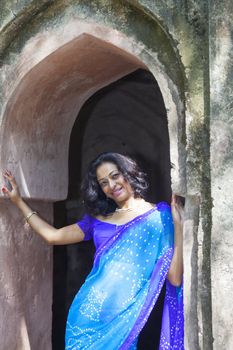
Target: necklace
(120,210)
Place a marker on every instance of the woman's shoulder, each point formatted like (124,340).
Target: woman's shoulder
(86,219)
(163,206)
(96,219)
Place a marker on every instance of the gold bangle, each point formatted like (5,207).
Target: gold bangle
(29,215)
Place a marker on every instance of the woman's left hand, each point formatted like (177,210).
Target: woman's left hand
(177,211)
(175,272)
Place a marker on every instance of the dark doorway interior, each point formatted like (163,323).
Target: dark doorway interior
(129,117)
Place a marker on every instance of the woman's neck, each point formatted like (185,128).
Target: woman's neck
(131,203)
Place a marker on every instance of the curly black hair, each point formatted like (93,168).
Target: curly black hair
(94,199)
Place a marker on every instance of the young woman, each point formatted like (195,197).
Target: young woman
(138,250)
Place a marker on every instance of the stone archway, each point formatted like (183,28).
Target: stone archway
(41,105)
(42,109)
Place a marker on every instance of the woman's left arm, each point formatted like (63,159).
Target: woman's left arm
(175,272)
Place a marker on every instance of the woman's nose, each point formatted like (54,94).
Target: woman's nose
(112,184)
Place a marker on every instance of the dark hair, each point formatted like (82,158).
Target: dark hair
(95,200)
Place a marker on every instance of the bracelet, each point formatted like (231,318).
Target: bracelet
(29,215)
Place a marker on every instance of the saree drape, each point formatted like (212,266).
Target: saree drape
(120,292)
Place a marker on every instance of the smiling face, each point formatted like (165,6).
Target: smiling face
(113,183)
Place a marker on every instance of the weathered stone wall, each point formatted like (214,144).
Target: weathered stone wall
(25,281)
(221,126)
(170,38)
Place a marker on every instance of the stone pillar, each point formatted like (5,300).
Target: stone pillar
(221,127)
(191,224)
(25,281)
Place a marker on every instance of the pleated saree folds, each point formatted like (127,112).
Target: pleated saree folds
(129,271)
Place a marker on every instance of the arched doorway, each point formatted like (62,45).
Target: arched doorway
(127,116)
(51,74)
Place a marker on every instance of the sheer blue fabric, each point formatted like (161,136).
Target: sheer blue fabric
(120,292)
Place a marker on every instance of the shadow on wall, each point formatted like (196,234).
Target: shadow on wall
(24,293)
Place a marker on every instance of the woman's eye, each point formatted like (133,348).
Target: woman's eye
(115,176)
(103,184)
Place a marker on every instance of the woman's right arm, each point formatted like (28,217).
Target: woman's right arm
(65,235)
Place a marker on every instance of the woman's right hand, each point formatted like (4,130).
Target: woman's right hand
(65,235)
(12,193)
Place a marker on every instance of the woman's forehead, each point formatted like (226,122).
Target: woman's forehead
(105,169)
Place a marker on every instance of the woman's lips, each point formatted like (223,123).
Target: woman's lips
(117,192)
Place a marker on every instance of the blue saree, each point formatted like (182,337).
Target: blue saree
(129,271)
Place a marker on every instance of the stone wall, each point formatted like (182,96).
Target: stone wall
(171,39)
(25,281)
(221,126)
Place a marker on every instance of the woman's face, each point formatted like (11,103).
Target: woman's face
(113,183)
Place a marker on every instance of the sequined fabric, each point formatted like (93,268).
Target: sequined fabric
(119,294)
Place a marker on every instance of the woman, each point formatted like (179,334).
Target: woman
(138,249)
